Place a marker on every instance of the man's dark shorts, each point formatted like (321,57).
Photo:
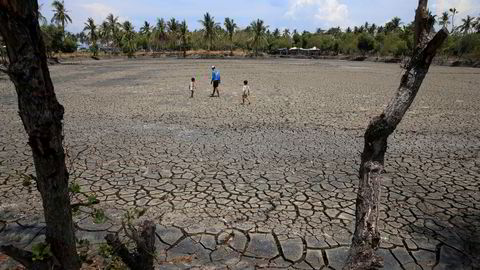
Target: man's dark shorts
(216,83)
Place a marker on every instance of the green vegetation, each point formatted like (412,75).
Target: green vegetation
(365,43)
(128,42)
(394,39)
(92,39)
(258,32)
(41,251)
(210,29)
(230,26)
(184,37)
(99,216)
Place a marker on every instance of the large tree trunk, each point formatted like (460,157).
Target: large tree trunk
(42,117)
(366,237)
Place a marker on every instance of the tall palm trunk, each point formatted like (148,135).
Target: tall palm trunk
(42,117)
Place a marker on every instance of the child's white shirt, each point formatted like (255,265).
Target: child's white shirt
(192,86)
(246,90)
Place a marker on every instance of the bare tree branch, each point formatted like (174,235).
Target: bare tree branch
(366,238)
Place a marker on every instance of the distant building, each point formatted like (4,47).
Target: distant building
(298,51)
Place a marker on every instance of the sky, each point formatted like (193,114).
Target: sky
(292,14)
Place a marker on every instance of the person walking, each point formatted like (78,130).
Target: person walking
(245,92)
(215,81)
(192,87)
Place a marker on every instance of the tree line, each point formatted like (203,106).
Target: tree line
(395,38)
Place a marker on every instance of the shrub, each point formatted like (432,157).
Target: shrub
(365,43)
(394,45)
(69,44)
(468,45)
(281,42)
(348,43)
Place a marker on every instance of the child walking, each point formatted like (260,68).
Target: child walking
(246,92)
(192,87)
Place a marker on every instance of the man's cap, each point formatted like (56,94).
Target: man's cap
(213,67)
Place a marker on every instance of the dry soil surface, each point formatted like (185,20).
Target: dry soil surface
(266,185)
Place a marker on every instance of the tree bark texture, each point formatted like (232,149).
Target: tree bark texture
(143,258)
(42,117)
(366,237)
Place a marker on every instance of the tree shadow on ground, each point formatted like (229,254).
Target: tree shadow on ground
(457,246)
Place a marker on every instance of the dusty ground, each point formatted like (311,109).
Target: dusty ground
(267,185)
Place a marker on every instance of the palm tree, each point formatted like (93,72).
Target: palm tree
(276,33)
(372,29)
(286,33)
(60,16)
(396,22)
(104,32)
(128,39)
(296,38)
(393,25)
(81,37)
(160,33)
(209,26)
(146,29)
(453,11)
(258,30)
(114,29)
(230,25)
(467,24)
(91,28)
(445,20)
(173,27)
(184,37)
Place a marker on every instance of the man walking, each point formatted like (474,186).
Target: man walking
(215,81)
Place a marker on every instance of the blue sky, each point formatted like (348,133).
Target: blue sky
(293,14)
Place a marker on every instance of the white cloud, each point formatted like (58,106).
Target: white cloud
(332,12)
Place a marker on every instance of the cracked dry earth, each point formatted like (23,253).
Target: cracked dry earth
(270,185)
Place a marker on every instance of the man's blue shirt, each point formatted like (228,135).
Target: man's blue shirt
(215,75)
